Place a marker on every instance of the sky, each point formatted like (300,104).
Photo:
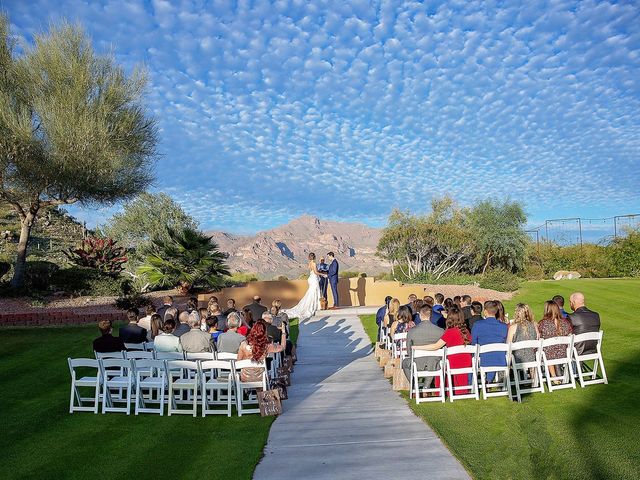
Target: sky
(346,110)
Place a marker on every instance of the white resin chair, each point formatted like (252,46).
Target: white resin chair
(589,377)
(90,381)
(134,346)
(183,377)
(216,377)
(100,355)
(116,374)
(169,355)
(151,376)
(204,356)
(521,371)
(471,372)
(226,356)
(566,342)
(149,346)
(399,351)
(499,372)
(428,376)
(250,388)
(138,355)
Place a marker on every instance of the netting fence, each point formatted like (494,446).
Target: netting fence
(576,231)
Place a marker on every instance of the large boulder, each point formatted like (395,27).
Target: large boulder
(565,275)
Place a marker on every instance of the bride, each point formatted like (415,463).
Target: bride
(310,303)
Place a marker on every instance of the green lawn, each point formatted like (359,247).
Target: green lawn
(567,434)
(40,439)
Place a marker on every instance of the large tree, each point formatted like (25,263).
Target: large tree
(72,128)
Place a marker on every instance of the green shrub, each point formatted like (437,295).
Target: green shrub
(39,275)
(625,255)
(86,281)
(459,279)
(500,280)
(348,274)
(4,268)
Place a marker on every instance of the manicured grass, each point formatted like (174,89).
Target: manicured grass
(567,434)
(40,439)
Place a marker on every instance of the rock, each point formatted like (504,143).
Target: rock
(565,275)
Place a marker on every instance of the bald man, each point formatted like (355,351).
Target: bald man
(583,321)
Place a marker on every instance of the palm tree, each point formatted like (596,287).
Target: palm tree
(186,259)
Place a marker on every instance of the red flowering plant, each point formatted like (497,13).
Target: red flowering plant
(100,253)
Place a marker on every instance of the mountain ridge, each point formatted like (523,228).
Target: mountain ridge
(284,250)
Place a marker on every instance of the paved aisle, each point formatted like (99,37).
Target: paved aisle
(342,419)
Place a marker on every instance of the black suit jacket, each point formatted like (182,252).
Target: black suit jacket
(583,321)
(108,343)
(163,309)
(256,310)
(132,333)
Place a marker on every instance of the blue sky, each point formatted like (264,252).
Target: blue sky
(345,110)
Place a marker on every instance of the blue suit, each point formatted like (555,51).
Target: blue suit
(436,316)
(323,268)
(333,281)
(489,331)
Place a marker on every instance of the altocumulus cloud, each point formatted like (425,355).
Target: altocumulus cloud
(343,109)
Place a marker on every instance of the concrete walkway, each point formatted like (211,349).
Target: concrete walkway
(342,419)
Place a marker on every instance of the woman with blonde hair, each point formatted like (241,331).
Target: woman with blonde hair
(392,312)
(524,328)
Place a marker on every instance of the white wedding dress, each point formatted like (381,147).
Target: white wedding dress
(310,303)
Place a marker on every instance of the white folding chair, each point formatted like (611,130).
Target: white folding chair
(428,376)
(399,351)
(470,372)
(497,371)
(100,355)
(204,356)
(138,355)
(149,346)
(566,342)
(84,381)
(216,377)
(151,375)
(250,388)
(116,374)
(226,356)
(183,377)
(134,346)
(590,376)
(169,355)
(522,379)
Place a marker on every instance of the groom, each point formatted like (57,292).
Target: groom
(333,278)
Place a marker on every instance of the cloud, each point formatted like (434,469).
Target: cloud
(348,109)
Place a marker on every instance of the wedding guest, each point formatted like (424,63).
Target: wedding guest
(279,317)
(390,317)
(455,334)
(403,323)
(476,314)
(428,300)
(230,340)
(382,311)
(166,341)
(553,325)
(192,304)
(559,299)
(171,312)
(132,333)
(195,340)
(204,314)
(247,320)
(156,327)
(417,305)
(524,328)
(583,320)
(273,332)
(256,347)
(424,334)
(457,299)
(231,307)
(501,315)
(490,330)
(183,325)
(106,342)
(465,304)
(257,309)
(437,318)
(145,322)
(412,298)
(167,302)
(214,311)
(212,328)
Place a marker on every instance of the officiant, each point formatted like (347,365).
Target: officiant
(324,282)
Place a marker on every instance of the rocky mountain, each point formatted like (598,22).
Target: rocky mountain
(284,250)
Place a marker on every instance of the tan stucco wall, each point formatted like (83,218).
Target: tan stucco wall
(353,292)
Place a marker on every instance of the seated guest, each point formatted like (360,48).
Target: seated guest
(131,332)
(465,306)
(583,320)
(195,340)
(501,315)
(145,322)
(231,307)
(213,299)
(428,300)
(214,311)
(212,328)
(490,330)
(204,314)
(192,304)
(382,311)
(256,347)
(455,334)
(423,334)
(417,305)
(156,327)
(273,332)
(257,309)
(390,317)
(279,317)
(448,304)
(476,313)
(183,325)
(246,322)
(106,342)
(172,312)
(230,340)
(457,300)
(166,341)
(523,328)
(559,299)
(553,325)
(167,303)
(437,318)
(412,298)
(403,323)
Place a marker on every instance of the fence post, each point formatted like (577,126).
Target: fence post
(580,230)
